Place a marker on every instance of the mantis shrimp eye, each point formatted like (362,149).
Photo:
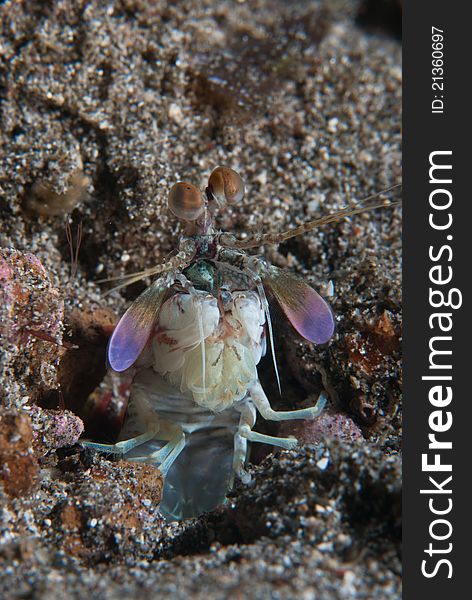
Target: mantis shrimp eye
(186,201)
(226,186)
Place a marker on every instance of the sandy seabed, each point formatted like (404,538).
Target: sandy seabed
(103,107)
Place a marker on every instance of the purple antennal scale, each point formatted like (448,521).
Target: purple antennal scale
(306,310)
(134,328)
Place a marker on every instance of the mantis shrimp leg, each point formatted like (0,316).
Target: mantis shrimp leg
(164,457)
(263,406)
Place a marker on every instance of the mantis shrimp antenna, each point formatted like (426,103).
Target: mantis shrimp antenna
(230,241)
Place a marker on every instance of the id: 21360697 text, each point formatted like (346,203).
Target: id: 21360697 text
(437,70)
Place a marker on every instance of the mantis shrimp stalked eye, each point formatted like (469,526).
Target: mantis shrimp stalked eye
(225,186)
(186,201)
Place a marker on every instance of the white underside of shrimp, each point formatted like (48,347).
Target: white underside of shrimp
(196,394)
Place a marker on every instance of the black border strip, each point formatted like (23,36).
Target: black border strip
(426,132)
